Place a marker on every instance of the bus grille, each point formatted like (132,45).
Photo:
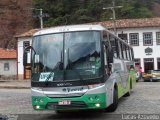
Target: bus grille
(74,104)
(64,95)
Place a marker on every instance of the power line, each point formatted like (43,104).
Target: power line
(114,14)
(41,15)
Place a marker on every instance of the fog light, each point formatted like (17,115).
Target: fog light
(97,105)
(37,107)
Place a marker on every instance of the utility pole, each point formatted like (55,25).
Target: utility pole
(41,18)
(114,14)
(41,15)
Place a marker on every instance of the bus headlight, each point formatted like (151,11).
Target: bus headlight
(41,100)
(90,98)
(36,100)
(97,97)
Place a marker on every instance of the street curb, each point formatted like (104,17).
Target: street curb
(15,80)
(13,87)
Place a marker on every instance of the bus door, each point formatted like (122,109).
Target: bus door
(119,67)
(116,69)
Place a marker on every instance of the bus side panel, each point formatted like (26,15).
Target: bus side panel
(109,91)
(113,80)
(131,80)
(132,75)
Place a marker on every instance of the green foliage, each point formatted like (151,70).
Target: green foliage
(135,9)
(64,12)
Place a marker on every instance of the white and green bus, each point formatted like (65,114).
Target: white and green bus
(79,67)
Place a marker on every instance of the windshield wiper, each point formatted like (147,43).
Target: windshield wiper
(74,70)
(59,66)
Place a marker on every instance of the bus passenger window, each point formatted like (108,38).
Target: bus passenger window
(113,45)
(119,50)
(124,51)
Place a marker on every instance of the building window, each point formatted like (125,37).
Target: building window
(26,44)
(134,39)
(158,38)
(6,66)
(123,37)
(147,38)
(158,63)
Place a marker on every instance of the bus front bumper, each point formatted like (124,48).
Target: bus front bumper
(89,101)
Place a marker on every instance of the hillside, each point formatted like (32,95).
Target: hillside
(15,18)
(81,11)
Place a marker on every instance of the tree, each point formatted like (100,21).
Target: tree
(64,12)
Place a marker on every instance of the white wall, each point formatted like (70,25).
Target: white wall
(20,53)
(139,51)
(12,67)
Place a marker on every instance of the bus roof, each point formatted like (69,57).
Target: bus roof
(70,28)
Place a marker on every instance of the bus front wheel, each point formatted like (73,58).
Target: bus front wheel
(114,105)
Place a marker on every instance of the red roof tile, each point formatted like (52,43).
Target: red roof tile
(7,54)
(123,23)
(132,23)
(28,33)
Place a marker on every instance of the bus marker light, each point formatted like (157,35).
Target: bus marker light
(97,97)
(97,105)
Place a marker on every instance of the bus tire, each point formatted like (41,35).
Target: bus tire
(128,93)
(59,112)
(114,105)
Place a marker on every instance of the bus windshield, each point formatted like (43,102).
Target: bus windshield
(66,56)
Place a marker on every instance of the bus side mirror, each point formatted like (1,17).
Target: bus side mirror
(110,56)
(25,55)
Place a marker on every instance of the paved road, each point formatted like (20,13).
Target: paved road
(145,99)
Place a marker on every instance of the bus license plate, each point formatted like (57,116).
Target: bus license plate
(64,102)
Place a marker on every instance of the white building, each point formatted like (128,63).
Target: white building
(144,36)
(23,41)
(8,64)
